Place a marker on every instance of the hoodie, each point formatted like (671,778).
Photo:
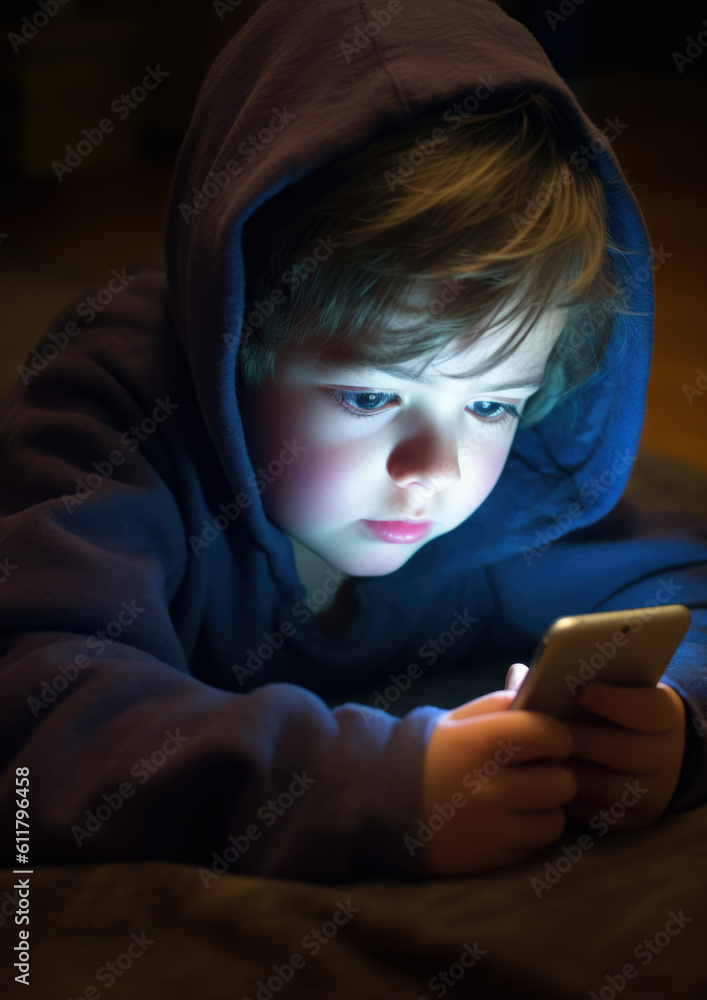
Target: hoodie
(163,677)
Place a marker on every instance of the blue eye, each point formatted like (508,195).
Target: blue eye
(496,410)
(365,401)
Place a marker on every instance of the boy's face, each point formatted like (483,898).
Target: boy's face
(419,452)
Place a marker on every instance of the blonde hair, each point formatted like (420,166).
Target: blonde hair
(495,207)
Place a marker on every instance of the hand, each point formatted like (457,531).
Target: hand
(634,737)
(508,795)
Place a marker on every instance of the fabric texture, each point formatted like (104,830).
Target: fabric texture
(147,574)
(553,927)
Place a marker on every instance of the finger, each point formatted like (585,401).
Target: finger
(615,747)
(535,829)
(535,734)
(601,819)
(602,786)
(583,811)
(495,701)
(515,676)
(538,786)
(644,710)
(501,738)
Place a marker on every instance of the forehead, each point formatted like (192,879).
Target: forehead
(530,353)
(524,365)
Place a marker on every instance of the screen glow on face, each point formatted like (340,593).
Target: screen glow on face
(382,446)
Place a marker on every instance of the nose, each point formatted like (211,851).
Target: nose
(426,464)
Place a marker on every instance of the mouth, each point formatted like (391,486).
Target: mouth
(399,532)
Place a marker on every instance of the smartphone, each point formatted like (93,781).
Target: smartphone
(631,648)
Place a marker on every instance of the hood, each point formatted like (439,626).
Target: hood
(289,68)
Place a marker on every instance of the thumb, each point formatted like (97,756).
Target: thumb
(515,676)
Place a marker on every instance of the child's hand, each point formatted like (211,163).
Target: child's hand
(508,796)
(640,739)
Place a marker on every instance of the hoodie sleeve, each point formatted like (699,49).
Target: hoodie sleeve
(631,558)
(130,755)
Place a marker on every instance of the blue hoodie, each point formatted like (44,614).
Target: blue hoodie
(163,677)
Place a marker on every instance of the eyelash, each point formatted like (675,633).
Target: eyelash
(510,411)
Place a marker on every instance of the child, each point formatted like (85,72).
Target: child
(383,404)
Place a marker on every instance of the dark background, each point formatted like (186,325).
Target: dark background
(58,238)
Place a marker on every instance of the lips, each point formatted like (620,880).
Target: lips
(399,531)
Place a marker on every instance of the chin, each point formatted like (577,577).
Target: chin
(380,561)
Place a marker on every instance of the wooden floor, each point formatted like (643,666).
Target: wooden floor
(63,237)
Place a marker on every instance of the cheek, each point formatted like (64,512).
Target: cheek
(481,469)
(321,487)
(324,483)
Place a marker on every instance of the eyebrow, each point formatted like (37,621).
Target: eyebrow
(533,380)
